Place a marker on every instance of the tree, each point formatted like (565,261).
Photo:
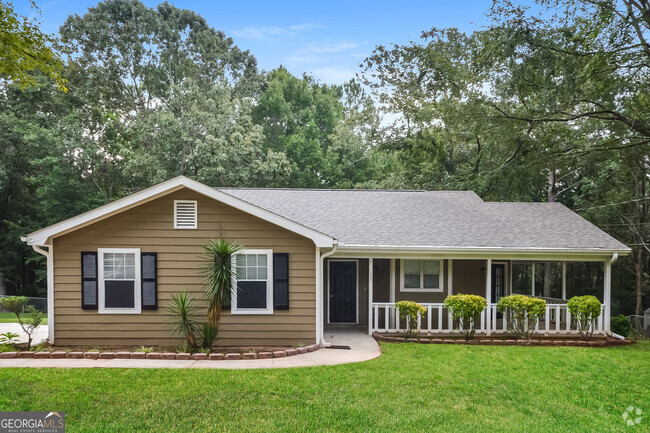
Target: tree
(18,305)
(218,273)
(324,143)
(24,50)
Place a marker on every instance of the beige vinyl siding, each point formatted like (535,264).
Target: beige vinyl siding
(150,228)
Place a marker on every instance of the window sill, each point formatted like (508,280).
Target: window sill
(250,312)
(119,311)
(422,290)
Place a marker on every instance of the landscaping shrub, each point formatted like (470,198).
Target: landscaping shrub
(18,305)
(522,314)
(585,310)
(409,310)
(467,310)
(209,333)
(621,325)
(184,318)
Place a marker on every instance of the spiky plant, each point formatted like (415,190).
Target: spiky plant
(218,273)
(184,318)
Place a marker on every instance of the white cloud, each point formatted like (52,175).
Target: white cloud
(334,75)
(303,59)
(331,47)
(266,33)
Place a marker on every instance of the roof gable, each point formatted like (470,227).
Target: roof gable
(42,236)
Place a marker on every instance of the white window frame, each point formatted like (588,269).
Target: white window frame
(421,289)
(101,289)
(269,284)
(196,215)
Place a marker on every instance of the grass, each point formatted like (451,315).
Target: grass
(11,318)
(411,387)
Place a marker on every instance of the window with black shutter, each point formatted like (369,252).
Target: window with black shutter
(89,280)
(149,281)
(119,273)
(281,281)
(253,289)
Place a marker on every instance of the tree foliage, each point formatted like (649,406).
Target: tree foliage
(549,102)
(25,50)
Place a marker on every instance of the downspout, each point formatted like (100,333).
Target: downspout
(607,292)
(50,288)
(319,325)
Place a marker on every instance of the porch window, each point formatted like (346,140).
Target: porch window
(119,281)
(253,288)
(421,276)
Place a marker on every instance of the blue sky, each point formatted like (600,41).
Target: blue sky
(327,39)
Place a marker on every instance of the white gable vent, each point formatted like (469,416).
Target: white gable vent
(185,214)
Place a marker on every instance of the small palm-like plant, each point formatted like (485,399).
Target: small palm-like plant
(184,320)
(218,273)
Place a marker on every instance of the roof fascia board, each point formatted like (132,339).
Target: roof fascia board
(41,237)
(480,253)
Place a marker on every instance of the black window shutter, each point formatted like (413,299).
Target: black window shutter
(149,283)
(281,281)
(89,280)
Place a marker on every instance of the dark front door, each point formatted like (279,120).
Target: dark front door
(343,292)
(498,283)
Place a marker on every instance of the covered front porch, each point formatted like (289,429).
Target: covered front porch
(361,292)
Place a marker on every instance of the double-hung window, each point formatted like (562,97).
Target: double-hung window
(119,280)
(421,276)
(253,283)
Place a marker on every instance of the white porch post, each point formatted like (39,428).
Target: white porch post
(488,297)
(532,281)
(450,277)
(563,280)
(391,321)
(370,294)
(607,293)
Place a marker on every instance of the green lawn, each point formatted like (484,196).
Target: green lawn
(411,387)
(11,318)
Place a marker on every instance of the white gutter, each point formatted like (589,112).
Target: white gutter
(320,260)
(448,249)
(50,288)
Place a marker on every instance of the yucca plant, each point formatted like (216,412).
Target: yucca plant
(218,273)
(184,320)
(209,334)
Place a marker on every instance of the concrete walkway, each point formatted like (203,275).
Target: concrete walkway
(41,332)
(362,348)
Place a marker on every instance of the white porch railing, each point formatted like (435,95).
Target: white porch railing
(556,320)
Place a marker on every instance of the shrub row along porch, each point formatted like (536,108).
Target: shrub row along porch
(362,291)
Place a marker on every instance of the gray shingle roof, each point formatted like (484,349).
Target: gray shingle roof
(453,219)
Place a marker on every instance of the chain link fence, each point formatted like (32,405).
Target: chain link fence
(39,304)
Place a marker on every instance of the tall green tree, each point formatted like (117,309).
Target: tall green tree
(25,49)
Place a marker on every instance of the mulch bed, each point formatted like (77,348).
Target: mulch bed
(126,354)
(505,340)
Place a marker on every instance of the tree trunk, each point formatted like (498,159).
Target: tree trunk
(214,314)
(638,273)
(551,197)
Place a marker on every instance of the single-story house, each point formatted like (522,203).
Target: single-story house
(313,259)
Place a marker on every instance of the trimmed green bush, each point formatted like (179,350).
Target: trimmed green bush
(522,314)
(467,310)
(585,310)
(621,325)
(410,310)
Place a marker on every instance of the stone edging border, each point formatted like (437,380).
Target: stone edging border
(160,355)
(502,342)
